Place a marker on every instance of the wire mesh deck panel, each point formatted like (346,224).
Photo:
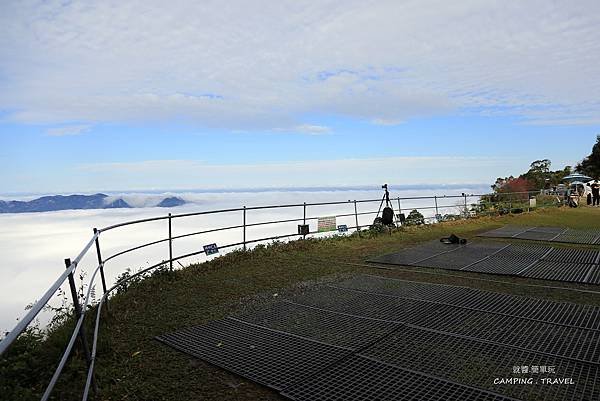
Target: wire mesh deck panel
(375,338)
(564,313)
(550,234)
(522,259)
(537,335)
(360,378)
(274,359)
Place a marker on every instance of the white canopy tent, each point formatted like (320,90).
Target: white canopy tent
(577,177)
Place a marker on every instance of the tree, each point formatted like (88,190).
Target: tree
(415,218)
(520,185)
(557,176)
(539,176)
(540,166)
(591,164)
(538,173)
(500,182)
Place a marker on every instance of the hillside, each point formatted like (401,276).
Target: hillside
(76,202)
(131,365)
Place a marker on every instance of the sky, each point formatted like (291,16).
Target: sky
(148,95)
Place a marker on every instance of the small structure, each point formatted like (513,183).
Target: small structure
(579,188)
(577,177)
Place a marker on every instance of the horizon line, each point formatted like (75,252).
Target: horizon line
(257,189)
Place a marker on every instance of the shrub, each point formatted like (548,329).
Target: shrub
(415,218)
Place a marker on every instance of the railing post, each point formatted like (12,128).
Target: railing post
(304,218)
(356,217)
(100,262)
(437,212)
(78,312)
(101,265)
(399,209)
(244,228)
(170,244)
(466,209)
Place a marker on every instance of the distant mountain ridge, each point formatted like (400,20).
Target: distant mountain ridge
(171,201)
(75,202)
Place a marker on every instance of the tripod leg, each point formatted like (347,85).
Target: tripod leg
(380,206)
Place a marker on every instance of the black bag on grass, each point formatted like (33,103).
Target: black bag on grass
(453,239)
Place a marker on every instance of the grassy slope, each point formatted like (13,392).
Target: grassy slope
(133,366)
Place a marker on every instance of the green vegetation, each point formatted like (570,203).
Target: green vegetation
(540,176)
(131,365)
(591,164)
(415,218)
(500,204)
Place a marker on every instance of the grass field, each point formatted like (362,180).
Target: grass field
(131,365)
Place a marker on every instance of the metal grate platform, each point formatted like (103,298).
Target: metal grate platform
(541,336)
(331,328)
(594,277)
(361,378)
(526,260)
(454,358)
(551,270)
(551,234)
(274,359)
(376,338)
(562,313)
(456,354)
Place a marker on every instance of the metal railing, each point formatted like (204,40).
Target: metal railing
(432,203)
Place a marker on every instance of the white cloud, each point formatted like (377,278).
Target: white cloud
(312,129)
(156,174)
(34,245)
(309,129)
(383,121)
(564,121)
(68,130)
(249,65)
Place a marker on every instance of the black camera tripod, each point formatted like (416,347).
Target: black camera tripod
(387,216)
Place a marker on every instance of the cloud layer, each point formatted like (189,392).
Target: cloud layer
(193,174)
(34,245)
(271,65)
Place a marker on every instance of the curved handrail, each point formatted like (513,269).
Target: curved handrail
(76,331)
(22,325)
(39,305)
(145,270)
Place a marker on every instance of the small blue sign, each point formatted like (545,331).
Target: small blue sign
(211,249)
(342,228)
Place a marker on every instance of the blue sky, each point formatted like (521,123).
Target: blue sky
(101,96)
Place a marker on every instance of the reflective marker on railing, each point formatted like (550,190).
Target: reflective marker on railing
(211,249)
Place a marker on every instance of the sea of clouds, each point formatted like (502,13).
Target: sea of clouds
(34,245)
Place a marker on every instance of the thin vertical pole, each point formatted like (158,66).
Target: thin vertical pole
(437,212)
(100,262)
(356,217)
(77,307)
(399,209)
(170,244)
(244,228)
(466,210)
(304,218)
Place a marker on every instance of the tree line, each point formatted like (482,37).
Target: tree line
(541,176)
